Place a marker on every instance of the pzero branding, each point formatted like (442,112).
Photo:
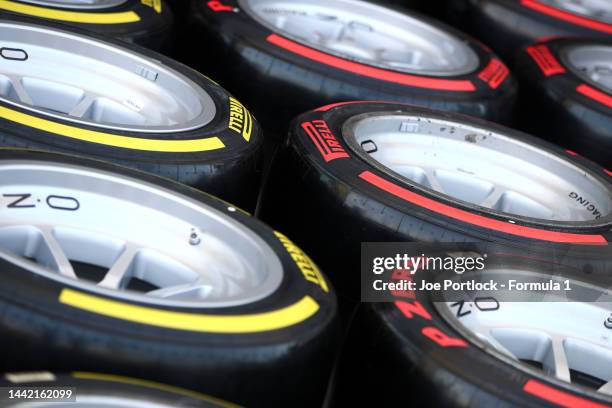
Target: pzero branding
(590,207)
(27,200)
(13,54)
(414,311)
(240,120)
(308,268)
(154,4)
(324,140)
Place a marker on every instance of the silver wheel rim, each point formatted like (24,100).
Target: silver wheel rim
(93,230)
(478,167)
(366,33)
(595,9)
(77,4)
(78,79)
(593,63)
(536,336)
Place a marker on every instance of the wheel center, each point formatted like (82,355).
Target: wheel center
(478,167)
(367,33)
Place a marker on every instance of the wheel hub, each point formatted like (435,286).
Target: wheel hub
(593,62)
(92,230)
(77,79)
(367,33)
(595,9)
(539,334)
(478,167)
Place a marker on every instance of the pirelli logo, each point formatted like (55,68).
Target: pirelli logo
(155,4)
(494,73)
(309,269)
(545,59)
(324,140)
(240,120)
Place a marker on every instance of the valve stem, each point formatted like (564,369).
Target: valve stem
(194,237)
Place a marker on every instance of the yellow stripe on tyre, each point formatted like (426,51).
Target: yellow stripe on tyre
(109,139)
(70,16)
(196,322)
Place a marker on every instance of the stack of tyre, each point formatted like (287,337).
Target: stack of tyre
(122,275)
(132,271)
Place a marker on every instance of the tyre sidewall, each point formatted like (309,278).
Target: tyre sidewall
(284,74)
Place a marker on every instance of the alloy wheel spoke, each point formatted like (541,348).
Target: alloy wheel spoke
(493,198)
(120,272)
(433,181)
(498,346)
(83,106)
(203,290)
(560,366)
(21,91)
(606,388)
(55,256)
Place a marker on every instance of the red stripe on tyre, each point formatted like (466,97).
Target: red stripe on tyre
(561,398)
(460,85)
(568,17)
(595,94)
(479,220)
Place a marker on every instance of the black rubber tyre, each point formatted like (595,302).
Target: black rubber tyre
(110,388)
(408,354)
(509,25)
(144,22)
(227,162)
(330,203)
(295,77)
(432,9)
(276,351)
(581,109)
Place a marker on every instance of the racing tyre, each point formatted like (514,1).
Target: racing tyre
(118,102)
(144,22)
(303,54)
(112,270)
(422,351)
(106,390)
(367,171)
(509,25)
(570,81)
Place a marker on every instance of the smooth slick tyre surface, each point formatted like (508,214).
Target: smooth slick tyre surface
(509,25)
(114,281)
(331,196)
(566,80)
(297,75)
(144,22)
(122,103)
(101,389)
